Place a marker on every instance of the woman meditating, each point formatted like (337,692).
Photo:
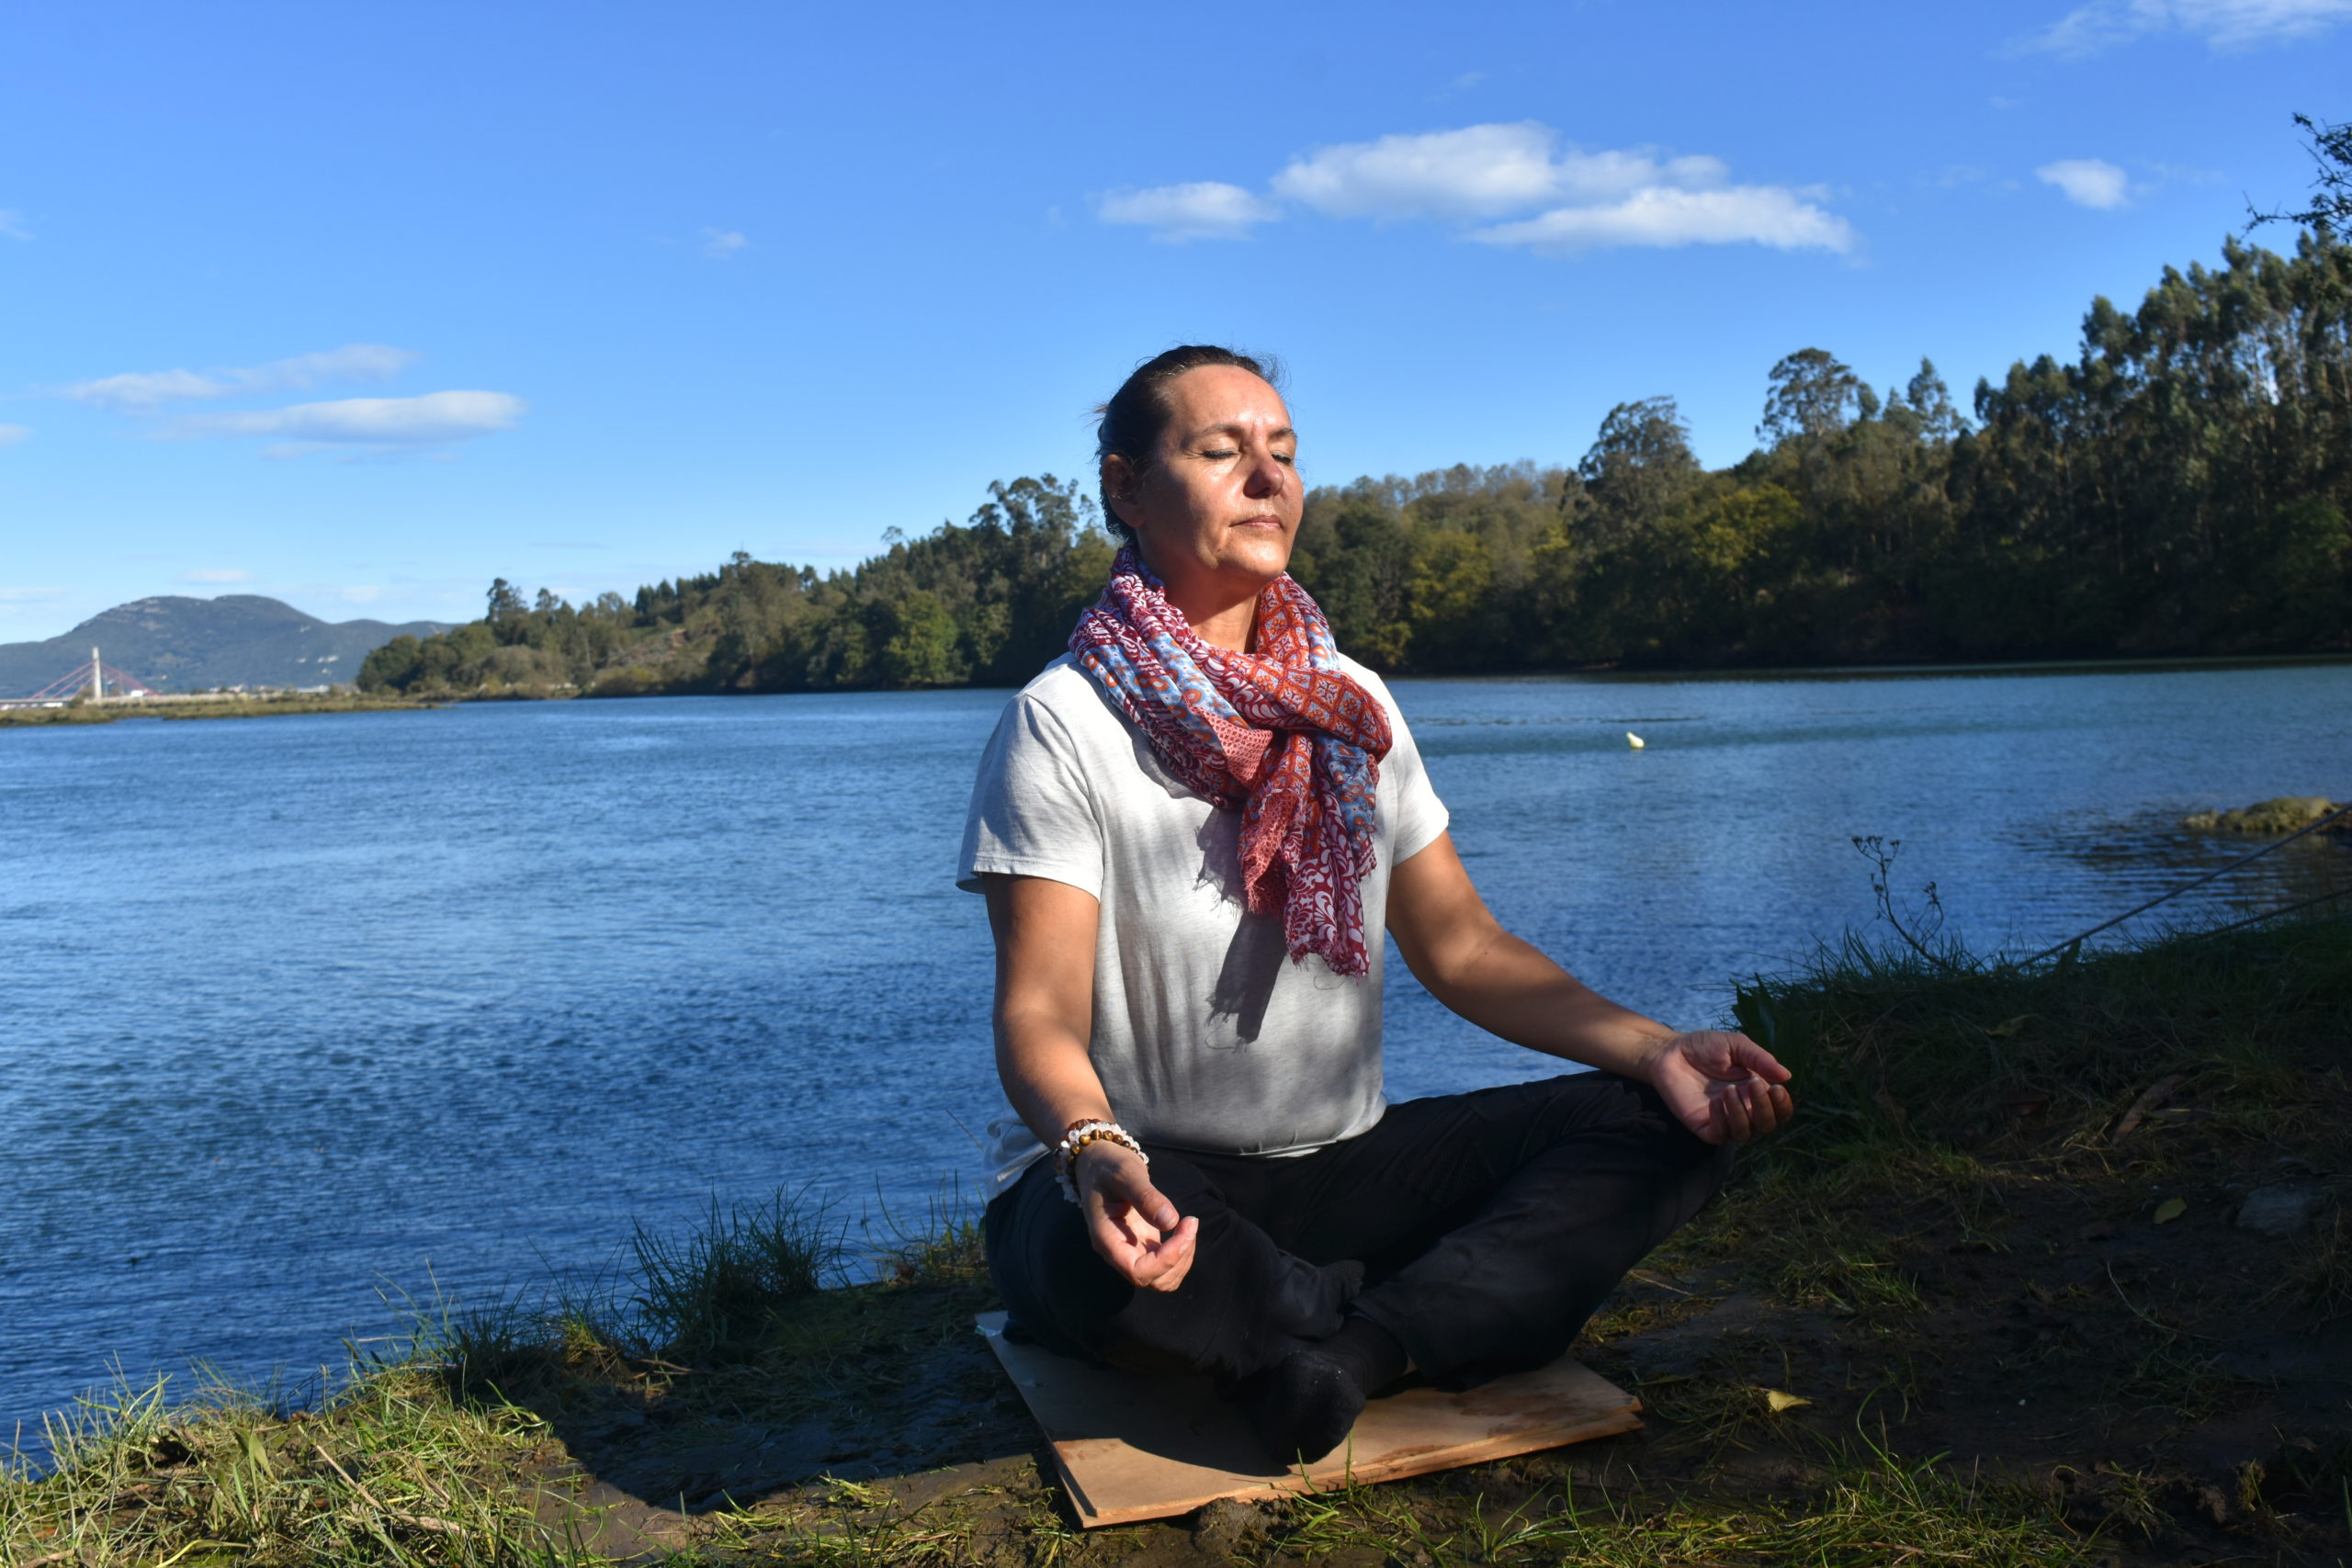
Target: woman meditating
(1196,832)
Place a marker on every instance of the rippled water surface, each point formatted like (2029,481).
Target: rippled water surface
(298,1013)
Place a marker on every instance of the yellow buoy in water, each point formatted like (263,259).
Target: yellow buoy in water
(1635,742)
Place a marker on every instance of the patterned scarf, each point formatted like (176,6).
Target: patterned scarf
(1281,735)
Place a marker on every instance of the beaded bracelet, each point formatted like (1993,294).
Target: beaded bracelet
(1081,1133)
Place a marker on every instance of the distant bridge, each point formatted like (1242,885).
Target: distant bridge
(98,678)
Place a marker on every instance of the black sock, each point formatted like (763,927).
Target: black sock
(1305,1406)
(1369,1352)
(1301,1407)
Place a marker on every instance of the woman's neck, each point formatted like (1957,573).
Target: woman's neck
(1222,625)
(1221,614)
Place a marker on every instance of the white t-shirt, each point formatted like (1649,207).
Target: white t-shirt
(1205,1035)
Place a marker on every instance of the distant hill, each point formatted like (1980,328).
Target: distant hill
(187,645)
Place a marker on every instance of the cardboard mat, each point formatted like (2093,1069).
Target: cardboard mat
(1132,1447)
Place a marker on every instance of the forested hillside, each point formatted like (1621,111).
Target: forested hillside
(2180,487)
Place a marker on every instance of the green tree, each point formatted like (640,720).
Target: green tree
(1811,397)
(506,603)
(919,643)
(392,667)
(1453,622)
(1923,408)
(2330,205)
(1358,562)
(1638,468)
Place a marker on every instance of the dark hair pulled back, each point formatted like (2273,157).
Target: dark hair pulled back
(1135,418)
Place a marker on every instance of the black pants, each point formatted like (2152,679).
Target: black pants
(1481,1229)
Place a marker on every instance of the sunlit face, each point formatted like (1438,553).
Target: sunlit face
(1218,510)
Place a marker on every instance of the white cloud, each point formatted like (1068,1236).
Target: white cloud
(1204,210)
(12,433)
(382,425)
(1666,217)
(140,391)
(222,575)
(1480,171)
(12,225)
(2087,182)
(720,244)
(136,391)
(352,362)
(1573,199)
(2222,24)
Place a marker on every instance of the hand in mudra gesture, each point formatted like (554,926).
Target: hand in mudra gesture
(1133,1225)
(1724,1086)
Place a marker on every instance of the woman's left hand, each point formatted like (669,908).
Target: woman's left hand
(1724,1087)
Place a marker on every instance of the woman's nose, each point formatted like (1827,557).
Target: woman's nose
(1267,477)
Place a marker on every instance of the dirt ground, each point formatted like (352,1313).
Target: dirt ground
(2087,1329)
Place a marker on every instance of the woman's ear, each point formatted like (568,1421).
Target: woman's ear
(1120,483)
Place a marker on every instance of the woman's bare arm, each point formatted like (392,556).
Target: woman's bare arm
(1044,1015)
(1722,1085)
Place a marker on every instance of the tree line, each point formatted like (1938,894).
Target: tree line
(988,602)
(2180,487)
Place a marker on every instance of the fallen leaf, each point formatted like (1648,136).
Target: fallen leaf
(2155,1094)
(2170,1210)
(2007,1028)
(1779,1401)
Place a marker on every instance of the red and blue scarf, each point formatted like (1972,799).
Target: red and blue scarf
(1280,733)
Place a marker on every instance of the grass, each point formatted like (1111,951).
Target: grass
(715,1296)
(717,1293)
(1939,1320)
(389,1473)
(1865,1507)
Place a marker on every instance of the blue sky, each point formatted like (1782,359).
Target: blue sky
(360,306)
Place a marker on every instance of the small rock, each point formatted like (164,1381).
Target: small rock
(2287,813)
(2281,1209)
(1228,1527)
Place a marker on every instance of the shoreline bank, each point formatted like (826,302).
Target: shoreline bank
(2082,1231)
(205,706)
(208,705)
(1660,675)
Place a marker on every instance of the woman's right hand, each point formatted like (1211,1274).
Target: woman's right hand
(1044,1016)
(1133,1225)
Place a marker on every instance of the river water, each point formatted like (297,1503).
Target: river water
(301,1018)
